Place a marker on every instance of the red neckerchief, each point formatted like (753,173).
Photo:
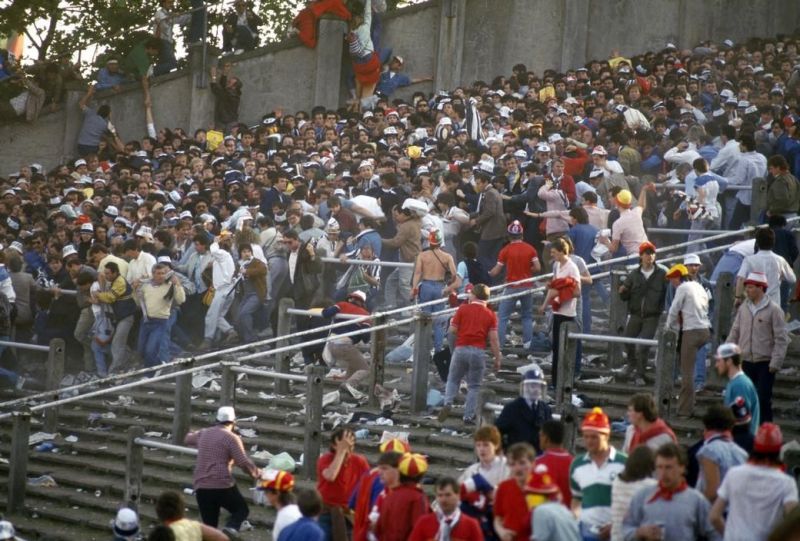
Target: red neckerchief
(667,493)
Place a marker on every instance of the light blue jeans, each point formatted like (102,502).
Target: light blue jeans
(397,292)
(525,311)
(470,363)
(431,290)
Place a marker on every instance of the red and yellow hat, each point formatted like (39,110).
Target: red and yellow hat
(541,482)
(277,480)
(413,465)
(596,421)
(395,445)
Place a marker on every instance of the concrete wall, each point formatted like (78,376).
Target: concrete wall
(455,42)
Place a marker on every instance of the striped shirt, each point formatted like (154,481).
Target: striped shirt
(218,449)
(592,484)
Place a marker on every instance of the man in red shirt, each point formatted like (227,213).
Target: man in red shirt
(555,457)
(511,516)
(338,472)
(448,522)
(521,262)
(406,503)
(472,325)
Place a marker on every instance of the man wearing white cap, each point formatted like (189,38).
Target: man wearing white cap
(729,365)
(774,267)
(693,266)
(760,330)
(218,449)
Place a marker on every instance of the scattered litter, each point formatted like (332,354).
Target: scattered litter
(336,419)
(170,410)
(71,439)
(247,433)
(331,398)
(383,421)
(355,393)
(215,387)
(188,491)
(387,399)
(336,373)
(362,434)
(122,400)
(39,437)
(386,436)
(45,447)
(44,481)
(201,379)
(265,396)
(3,461)
(102,448)
(602,380)
(283,461)
(210,401)
(576,401)
(98,493)
(262,455)
(251,419)
(153,434)
(240,377)
(435,398)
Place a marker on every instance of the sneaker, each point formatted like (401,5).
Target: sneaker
(355,393)
(246,526)
(444,413)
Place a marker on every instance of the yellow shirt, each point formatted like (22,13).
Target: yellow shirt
(156,305)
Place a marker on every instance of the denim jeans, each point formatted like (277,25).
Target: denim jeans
(467,362)
(700,366)
(525,311)
(166,59)
(431,290)
(248,307)
(488,250)
(152,334)
(83,335)
(101,354)
(119,344)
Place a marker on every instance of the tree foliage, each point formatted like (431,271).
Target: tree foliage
(64,27)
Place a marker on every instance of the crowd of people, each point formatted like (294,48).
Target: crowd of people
(147,245)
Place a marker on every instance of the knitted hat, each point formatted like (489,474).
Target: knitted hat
(515,228)
(126,523)
(769,439)
(678,270)
(624,198)
(541,482)
(741,413)
(277,480)
(757,279)
(395,445)
(413,465)
(647,245)
(596,421)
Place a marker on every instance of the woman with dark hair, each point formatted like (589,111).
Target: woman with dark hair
(637,475)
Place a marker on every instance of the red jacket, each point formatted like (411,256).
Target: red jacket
(574,165)
(427,528)
(567,288)
(306,20)
(401,509)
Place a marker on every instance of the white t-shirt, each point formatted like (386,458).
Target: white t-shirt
(496,473)
(568,270)
(286,516)
(756,496)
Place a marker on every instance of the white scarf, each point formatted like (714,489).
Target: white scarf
(446,524)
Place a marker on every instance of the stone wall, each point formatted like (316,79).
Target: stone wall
(452,42)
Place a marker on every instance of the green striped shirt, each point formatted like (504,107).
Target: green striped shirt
(592,484)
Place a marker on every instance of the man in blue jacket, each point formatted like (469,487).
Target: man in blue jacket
(522,418)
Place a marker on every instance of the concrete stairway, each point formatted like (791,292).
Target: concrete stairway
(90,471)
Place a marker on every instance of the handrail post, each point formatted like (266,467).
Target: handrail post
(312,441)
(228,393)
(666,357)
(134,464)
(422,359)
(616,316)
(183,407)
(569,416)
(567,349)
(55,373)
(485,415)
(378,354)
(758,200)
(18,462)
(284,360)
(723,307)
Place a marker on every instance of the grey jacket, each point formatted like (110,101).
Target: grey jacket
(762,337)
(490,217)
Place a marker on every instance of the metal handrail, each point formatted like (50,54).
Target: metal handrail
(22,345)
(609,338)
(367,262)
(309,313)
(146,442)
(267,373)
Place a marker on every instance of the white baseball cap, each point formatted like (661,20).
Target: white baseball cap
(225,414)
